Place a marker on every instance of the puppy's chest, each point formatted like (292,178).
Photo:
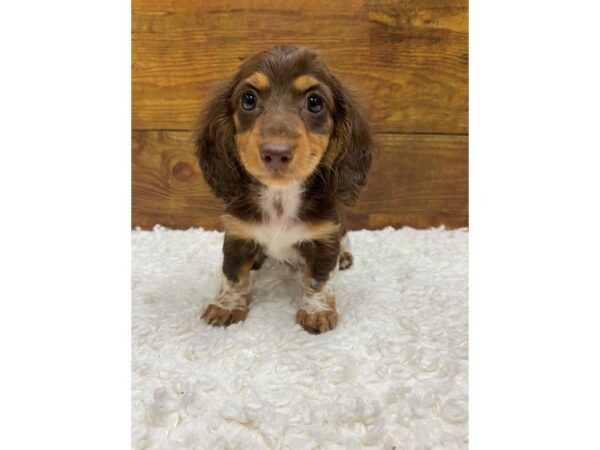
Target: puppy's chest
(280,229)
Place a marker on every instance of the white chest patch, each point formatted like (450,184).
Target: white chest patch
(280,229)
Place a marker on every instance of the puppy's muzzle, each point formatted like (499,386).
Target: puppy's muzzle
(276,156)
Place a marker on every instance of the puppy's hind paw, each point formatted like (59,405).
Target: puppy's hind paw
(346,260)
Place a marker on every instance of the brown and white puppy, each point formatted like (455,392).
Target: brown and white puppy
(285,146)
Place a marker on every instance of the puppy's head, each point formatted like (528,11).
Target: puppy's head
(282,118)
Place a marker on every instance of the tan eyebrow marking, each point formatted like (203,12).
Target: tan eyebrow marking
(259,80)
(305,82)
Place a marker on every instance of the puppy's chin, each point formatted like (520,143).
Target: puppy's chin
(277,179)
(298,172)
(288,177)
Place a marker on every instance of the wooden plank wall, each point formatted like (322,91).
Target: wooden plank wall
(407,60)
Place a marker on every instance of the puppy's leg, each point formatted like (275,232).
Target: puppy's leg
(234,297)
(346,258)
(317,313)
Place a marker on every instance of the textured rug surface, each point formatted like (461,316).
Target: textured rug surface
(392,374)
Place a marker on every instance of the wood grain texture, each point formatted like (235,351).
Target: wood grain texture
(407,59)
(416,180)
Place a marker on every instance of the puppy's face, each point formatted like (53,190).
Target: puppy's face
(282,117)
(283,121)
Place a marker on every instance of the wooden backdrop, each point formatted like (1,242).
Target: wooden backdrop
(407,59)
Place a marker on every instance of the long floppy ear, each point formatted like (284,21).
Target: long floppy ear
(354,143)
(215,146)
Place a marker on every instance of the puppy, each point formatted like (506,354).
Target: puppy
(286,147)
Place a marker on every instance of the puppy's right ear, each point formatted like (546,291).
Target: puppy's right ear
(215,146)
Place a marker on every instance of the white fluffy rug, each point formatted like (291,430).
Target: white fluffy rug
(392,374)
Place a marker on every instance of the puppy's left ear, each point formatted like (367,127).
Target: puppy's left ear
(354,143)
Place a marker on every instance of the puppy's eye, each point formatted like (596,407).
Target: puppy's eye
(314,103)
(249,101)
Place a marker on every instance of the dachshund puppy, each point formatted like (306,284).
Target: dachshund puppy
(285,146)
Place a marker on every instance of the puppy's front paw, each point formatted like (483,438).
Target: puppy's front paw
(217,316)
(319,322)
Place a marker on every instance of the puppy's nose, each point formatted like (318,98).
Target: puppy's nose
(276,156)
